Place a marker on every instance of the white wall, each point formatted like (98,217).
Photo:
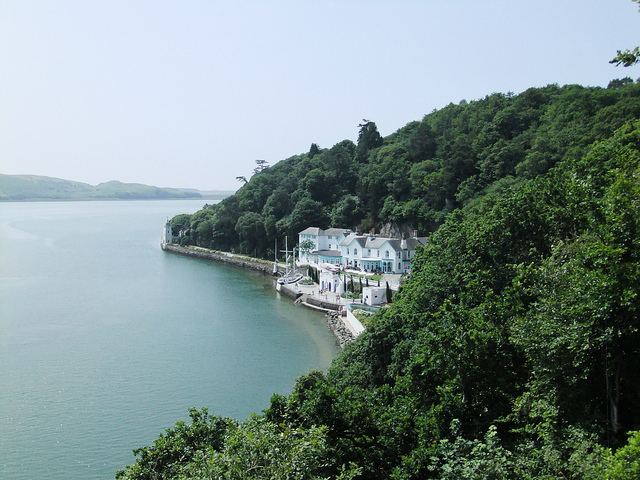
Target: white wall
(374,295)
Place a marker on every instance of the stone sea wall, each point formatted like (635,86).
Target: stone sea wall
(339,329)
(289,292)
(223,257)
(316,302)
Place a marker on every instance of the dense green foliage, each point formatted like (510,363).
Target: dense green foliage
(511,351)
(420,174)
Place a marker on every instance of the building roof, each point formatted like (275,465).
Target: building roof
(337,231)
(311,231)
(365,241)
(329,231)
(412,243)
(395,244)
(328,253)
(376,242)
(352,237)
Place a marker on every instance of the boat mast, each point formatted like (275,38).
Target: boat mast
(275,258)
(287,256)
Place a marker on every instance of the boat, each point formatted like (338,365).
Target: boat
(290,276)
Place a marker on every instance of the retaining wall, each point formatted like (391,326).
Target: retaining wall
(223,257)
(316,302)
(288,292)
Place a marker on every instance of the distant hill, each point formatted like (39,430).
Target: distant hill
(33,187)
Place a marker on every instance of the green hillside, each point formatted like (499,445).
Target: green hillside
(512,349)
(417,176)
(32,187)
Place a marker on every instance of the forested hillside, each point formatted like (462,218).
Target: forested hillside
(418,175)
(512,351)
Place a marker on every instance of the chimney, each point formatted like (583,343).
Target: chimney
(415,234)
(403,242)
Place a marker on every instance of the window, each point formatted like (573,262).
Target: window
(347,251)
(355,251)
(386,254)
(369,254)
(378,253)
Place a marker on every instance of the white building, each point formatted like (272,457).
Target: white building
(326,245)
(374,296)
(167,235)
(370,253)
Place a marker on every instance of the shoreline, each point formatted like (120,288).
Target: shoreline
(334,321)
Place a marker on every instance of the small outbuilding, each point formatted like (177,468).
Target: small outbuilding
(374,295)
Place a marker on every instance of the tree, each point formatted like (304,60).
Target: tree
(180,223)
(223,224)
(307,212)
(339,161)
(368,139)
(314,150)
(627,58)
(251,231)
(255,194)
(173,451)
(306,246)
(316,183)
(422,143)
(261,166)
(201,227)
(619,83)
(625,463)
(278,203)
(347,212)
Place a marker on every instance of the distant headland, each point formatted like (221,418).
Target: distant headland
(18,188)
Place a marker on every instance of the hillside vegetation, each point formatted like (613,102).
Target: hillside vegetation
(419,174)
(33,187)
(512,349)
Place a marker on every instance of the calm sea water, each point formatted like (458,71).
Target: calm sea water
(106,340)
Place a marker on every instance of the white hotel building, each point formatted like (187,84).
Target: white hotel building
(347,249)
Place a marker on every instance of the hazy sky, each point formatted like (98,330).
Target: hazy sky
(189,93)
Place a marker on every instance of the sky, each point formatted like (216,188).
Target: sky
(190,93)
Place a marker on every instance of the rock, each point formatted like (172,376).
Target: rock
(337,326)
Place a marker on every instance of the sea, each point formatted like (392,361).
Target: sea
(106,340)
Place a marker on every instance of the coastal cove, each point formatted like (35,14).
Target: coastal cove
(106,340)
(343,328)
